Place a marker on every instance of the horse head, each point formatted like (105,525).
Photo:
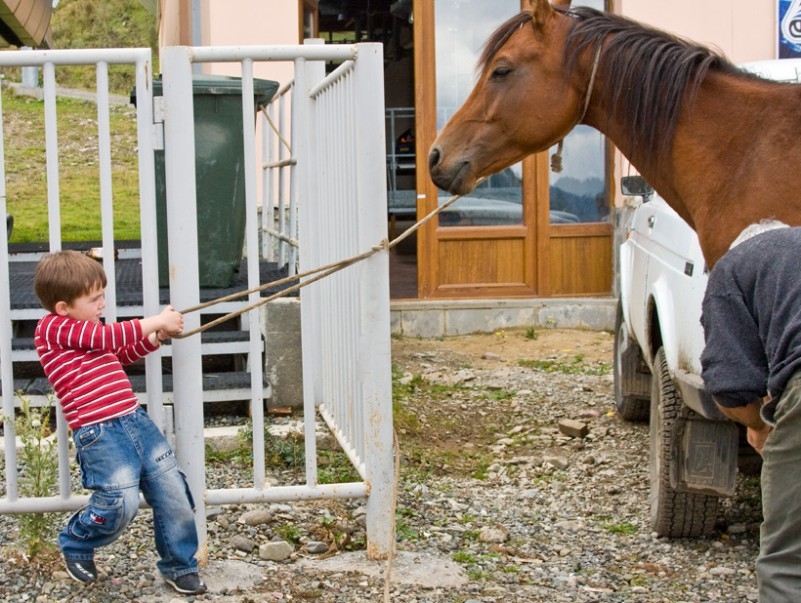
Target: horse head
(523,101)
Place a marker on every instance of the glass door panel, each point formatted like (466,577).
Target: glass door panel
(462,27)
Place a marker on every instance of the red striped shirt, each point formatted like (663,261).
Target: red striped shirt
(83,362)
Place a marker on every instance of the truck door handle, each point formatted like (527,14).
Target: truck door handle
(651,221)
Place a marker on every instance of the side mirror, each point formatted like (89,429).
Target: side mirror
(636,186)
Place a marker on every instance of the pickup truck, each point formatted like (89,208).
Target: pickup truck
(658,342)
(694,451)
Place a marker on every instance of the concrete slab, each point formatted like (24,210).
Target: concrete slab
(427,570)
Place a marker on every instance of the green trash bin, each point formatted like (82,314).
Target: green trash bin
(219,176)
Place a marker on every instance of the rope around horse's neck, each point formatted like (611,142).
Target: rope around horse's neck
(320,273)
(556,158)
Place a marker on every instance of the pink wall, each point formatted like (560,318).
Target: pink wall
(744,30)
(244,22)
(252,22)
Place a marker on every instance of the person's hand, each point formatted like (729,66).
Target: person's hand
(758,436)
(172,321)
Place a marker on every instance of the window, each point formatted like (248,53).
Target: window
(579,193)
(462,27)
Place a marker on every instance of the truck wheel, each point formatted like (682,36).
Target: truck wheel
(673,514)
(632,385)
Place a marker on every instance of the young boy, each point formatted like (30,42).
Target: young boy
(120,450)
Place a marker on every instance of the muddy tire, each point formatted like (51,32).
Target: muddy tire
(632,382)
(673,514)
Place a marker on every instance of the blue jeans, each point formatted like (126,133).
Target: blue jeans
(117,459)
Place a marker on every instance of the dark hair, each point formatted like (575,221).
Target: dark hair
(66,276)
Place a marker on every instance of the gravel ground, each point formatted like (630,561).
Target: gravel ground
(542,517)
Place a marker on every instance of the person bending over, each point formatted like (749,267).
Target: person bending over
(751,365)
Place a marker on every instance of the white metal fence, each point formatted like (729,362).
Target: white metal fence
(336,168)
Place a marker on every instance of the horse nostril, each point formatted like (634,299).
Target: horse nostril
(433,158)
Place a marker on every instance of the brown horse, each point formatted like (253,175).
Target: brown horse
(717,143)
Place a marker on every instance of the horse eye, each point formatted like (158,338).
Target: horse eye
(501,72)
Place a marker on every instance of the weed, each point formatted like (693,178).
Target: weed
(38,462)
(531,333)
(404,532)
(638,580)
(289,532)
(499,395)
(463,557)
(574,366)
(623,528)
(334,467)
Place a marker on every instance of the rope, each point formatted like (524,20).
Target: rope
(320,273)
(275,129)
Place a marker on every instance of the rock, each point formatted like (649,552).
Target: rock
(276,551)
(316,548)
(493,534)
(574,429)
(256,517)
(241,543)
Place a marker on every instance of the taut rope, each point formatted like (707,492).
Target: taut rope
(320,273)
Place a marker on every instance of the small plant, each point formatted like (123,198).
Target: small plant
(38,465)
(335,468)
(463,557)
(623,528)
(289,532)
(499,395)
(531,333)
(572,366)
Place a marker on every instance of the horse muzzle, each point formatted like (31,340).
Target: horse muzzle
(456,178)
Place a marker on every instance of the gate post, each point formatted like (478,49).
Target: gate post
(179,169)
(375,363)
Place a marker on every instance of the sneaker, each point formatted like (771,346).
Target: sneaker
(81,570)
(188,584)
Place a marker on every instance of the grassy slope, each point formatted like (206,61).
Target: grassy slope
(77,24)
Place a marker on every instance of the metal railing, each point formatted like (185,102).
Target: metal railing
(336,173)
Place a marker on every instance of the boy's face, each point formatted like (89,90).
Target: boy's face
(88,307)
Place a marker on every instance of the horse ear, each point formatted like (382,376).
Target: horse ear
(541,9)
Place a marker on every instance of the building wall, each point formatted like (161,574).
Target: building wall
(743,30)
(226,23)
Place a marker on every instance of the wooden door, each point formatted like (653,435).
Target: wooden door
(529,256)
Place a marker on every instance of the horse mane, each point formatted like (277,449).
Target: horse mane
(652,74)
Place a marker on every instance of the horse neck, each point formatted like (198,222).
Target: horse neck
(728,164)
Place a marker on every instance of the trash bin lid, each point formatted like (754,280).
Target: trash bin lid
(263,90)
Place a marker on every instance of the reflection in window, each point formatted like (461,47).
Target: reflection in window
(462,27)
(578,192)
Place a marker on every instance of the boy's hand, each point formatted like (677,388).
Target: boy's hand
(172,321)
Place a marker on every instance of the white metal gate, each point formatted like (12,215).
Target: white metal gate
(338,158)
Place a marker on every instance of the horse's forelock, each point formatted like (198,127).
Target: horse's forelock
(500,36)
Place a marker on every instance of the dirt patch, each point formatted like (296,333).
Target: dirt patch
(508,347)
(461,403)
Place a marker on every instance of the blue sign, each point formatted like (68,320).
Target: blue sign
(789,29)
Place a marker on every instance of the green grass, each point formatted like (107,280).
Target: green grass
(79,172)
(577,365)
